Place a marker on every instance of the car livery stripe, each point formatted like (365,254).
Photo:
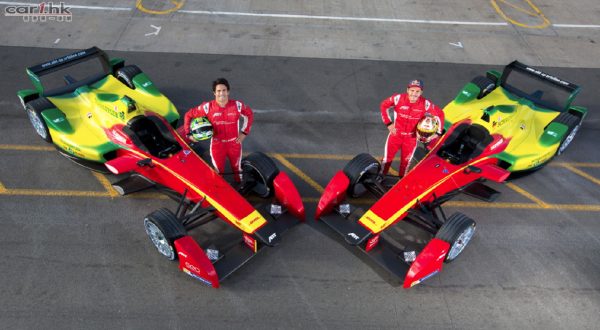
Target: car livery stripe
(249,224)
(376,224)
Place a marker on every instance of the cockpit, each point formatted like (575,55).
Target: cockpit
(150,134)
(465,143)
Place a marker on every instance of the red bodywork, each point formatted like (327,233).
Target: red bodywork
(430,179)
(185,172)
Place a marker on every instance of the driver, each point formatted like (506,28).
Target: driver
(408,109)
(224,114)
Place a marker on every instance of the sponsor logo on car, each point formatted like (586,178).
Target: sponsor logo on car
(353,235)
(495,145)
(548,76)
(372,243)
(201,279)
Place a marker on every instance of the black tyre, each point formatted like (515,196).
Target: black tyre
(456,231)
(485,84)
(573,123)
(163,228)
(361,166)
(127,73)
(262,170)
(34,112)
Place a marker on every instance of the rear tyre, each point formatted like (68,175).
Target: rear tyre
(456,231)
(485,84)
(163,228)
(34,112)
(357,170)
(262,170)
(127,73)
(573,123)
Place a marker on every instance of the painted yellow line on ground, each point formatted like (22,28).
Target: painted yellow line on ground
(525,193)
(25,147)
(298,172)
(177,5)
(74,193)
(105,183)
(530,206)
(535,13)
(494,205)
(582,173)
(2,188)
(61,193)
(318,156)
(286,155)
(575,164)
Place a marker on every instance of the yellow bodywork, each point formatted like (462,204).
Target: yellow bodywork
(89,110)
(516,119)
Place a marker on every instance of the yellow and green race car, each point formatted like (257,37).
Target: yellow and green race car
(530,108)
(78,97)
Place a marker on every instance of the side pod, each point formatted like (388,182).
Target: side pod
(287,194)
(494,173)
(334,193)
(123,164)
(428,263)
(194,262)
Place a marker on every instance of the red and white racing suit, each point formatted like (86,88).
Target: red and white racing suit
(406,118)
(226,129)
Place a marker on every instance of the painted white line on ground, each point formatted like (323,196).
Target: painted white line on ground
(339,18)
(577,26)
(315,17)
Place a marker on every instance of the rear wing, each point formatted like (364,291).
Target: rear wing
(567,87)
(68,60)
(36,71)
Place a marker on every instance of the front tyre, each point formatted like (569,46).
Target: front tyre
(357,170)
(34,112)
(163,229)
(261,170)
(456,231)
(573,123)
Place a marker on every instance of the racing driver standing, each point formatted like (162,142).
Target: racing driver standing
(408,109)
(225,115)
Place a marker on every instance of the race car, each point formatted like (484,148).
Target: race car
(101,113)
(406,231)
(80,96)
(530,108)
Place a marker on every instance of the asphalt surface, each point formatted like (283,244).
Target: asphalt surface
(84,261)
(72,255)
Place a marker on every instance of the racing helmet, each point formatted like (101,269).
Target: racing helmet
(426,128)
(201,129)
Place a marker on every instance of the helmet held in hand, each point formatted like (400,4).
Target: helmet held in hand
(201,129)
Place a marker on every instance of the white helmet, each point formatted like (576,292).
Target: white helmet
(427,128)
(201,129)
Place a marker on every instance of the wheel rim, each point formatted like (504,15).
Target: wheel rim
(159,240)
(568,139)
(37,123)
(461,242)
